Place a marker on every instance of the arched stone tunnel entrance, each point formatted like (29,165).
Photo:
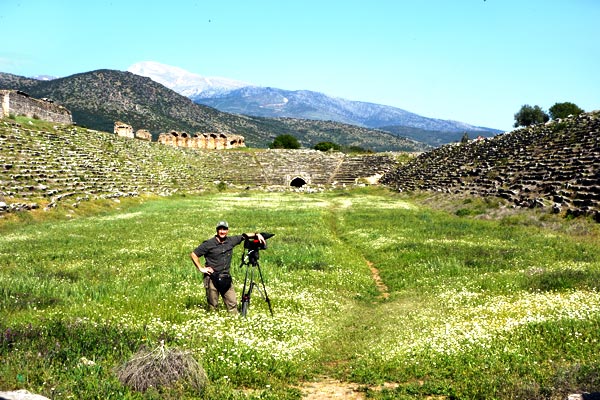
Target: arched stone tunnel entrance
(297,182)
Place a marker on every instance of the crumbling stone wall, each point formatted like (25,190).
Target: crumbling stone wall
(20,103)
(123,129)
(143,134)
(213,141)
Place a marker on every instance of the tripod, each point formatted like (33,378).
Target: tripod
(250,261)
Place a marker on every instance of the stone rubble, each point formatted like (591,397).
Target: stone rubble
(554,165)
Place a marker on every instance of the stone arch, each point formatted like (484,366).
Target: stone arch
(221,141)
(203,139)
(211,142)
(182,140)
(193,141)
(169,139)
(235,141)
(298,182)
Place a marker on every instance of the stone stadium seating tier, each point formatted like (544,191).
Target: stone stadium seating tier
(68,162)
(552,165)
(555,165)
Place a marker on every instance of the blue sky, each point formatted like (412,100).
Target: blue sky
(475,61)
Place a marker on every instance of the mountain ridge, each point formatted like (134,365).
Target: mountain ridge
(269,102)
(277,102)
(99,98)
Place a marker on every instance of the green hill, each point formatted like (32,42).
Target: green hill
(99,98)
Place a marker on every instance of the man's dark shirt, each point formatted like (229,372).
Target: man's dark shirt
(218,254)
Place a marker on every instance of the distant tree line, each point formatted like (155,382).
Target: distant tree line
(526,116)
(287,141)
(529,115)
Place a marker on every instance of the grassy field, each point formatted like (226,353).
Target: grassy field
(472,308)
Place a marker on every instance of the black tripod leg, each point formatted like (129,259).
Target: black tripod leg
(246,296)
(245,306)
(264,289)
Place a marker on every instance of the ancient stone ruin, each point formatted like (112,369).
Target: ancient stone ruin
(554,165)
(41,168)
(124,130)
(210,141)
(214,141)
(143,134)
(16,102)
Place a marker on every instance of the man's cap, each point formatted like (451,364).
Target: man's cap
(222,224)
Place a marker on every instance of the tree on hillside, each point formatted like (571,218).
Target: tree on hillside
(563,110)
(326,146)
(285,142)
(356,149)
(529,115)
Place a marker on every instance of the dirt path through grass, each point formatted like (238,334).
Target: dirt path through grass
(328,389)
(356,323)
(382,287)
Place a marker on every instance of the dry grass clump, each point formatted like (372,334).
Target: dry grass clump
(162,368)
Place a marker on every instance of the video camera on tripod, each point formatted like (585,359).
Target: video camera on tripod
(250,256)
(252,246)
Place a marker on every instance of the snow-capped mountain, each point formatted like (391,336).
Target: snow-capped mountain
(306,104)
(243,98)
(184,82)
(43,77)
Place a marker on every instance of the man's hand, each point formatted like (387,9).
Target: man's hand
(196,261)
(260,238)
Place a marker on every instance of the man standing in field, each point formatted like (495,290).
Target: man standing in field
(217,252)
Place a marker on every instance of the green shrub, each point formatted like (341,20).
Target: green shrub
(285,142)
(327,146)
(222,186)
